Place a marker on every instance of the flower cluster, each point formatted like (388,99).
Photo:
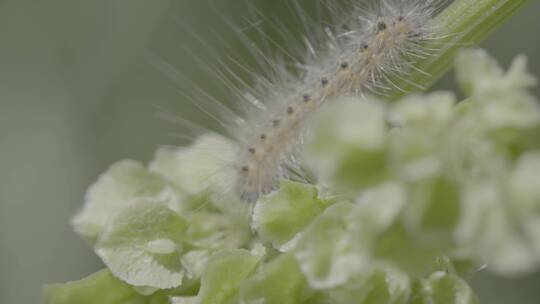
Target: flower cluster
(409,198)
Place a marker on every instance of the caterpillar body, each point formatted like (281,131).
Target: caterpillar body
(372,45)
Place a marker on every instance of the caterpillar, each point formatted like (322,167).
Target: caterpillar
(370,45)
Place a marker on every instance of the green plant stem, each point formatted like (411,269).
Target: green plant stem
(463,23)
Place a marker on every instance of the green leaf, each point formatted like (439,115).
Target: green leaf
(423,110)
(434,210)
(525,183)
(224,273)
(143,245)
(325,249)
(487,231)
(478,73)
(474,69)
(115,189)
(340,243)
(413,153)
(280,216)
(349,137)
(278,282)
(377,209)
(194,263)
(214,230)
(416,145)
(101,287)
(372,164)
(379,285)
(377,226)
(502,97)
(444,288)
(524,190)
(184,300)
(197,168)
(400,247)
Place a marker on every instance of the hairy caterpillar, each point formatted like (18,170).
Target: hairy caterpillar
(369,46)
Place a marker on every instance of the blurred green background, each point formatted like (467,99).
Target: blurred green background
(77,93)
